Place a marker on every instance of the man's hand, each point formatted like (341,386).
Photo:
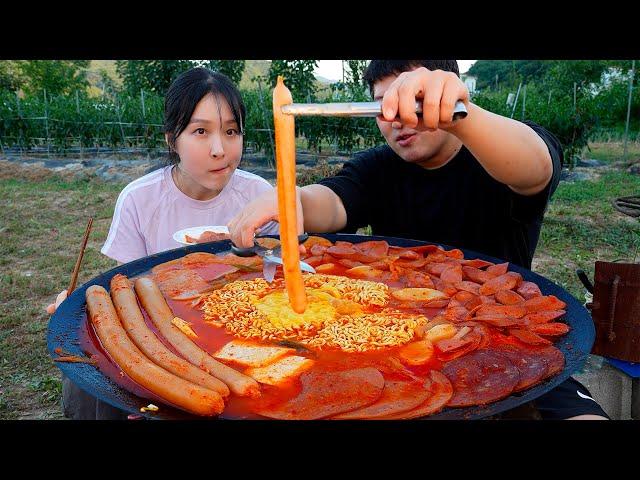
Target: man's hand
(260,211)
(439,92)
(51,309)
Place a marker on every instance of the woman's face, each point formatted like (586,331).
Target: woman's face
(210,147)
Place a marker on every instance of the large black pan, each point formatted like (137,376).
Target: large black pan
(67,328)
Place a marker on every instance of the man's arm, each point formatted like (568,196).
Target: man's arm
(510,151)
(323,209)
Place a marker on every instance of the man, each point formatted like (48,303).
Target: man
(481,183)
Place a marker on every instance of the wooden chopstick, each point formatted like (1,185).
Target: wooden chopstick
(76,269)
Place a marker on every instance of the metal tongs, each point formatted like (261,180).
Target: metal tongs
(354,109)
(271,258)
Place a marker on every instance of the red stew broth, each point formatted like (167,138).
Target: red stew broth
(211,339)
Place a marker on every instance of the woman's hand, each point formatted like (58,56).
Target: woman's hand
(51,309)
(257,213)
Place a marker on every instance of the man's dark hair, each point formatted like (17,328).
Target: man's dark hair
(379,69)
(184,94)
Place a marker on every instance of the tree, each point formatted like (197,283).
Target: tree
(509,73)
(231,68)
(298,76)
(10,78)
(564,73)
(150,75)
(57,77)
(353,88)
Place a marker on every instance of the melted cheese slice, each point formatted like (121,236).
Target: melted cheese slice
(323,304)
(281,371)
(249,354)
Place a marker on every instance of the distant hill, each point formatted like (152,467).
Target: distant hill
(252,68)
(93,75)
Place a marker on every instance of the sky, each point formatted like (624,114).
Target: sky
(332,69)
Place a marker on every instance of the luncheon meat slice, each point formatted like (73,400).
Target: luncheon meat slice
(440,392)
(327,393)
(180,284)
(554,359)
(397,397)
(481,377)
(532,366)
(207,266)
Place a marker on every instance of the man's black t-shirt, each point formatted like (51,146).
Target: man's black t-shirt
(458,204)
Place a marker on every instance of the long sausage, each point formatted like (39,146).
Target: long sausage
(161,315)
(131,360)
(124,300)
(284,126)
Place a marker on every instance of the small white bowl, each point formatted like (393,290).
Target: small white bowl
(180,235)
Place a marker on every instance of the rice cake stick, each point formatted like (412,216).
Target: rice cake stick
(284,126)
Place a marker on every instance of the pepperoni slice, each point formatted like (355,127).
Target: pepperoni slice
(466,286)
(404,253)
(440,392)
(497,270)
(327,393)
(543,316)
(550,329)
(318,250)
(475,274)
(508,297)
(506,281)
(528,337)
(549,302)
(529,290)
(397,397)
(515,311)
(498,320)
(532,366)
(481,377)
(373,248)
(452,274)
(477,263)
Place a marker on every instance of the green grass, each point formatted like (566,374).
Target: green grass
(612,151)
(581,226)
(42,224)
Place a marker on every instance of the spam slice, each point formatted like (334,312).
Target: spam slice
(249,354)
(281,371)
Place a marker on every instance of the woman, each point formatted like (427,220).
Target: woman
(204,127)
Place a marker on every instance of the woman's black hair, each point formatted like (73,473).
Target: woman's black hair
(184,94)
(379,69)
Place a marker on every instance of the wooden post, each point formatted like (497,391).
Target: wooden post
(626,128)
(20,140)
(524,100)
(46,119)
(266,123)
(515,102)
(549,101)
(77,103)
(124,140)
(142,101)
(574,96)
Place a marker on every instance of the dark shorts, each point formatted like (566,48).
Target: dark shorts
(569,399)
(79,405)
